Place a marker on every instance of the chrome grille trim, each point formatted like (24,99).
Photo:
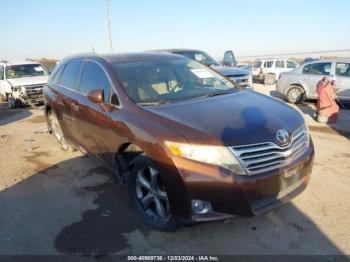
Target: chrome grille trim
(266,156)
(34,90)
(237,76)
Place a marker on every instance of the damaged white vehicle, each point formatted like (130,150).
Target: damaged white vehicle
(22,83)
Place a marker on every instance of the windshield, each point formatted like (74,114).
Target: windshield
(200,57)
(28,70)
(171,80)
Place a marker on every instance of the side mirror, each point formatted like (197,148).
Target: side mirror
(96,96)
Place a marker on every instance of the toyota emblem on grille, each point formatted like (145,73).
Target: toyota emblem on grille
(282,137)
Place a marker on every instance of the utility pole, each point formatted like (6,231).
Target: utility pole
(108,26)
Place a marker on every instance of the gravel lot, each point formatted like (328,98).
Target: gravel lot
(53,202)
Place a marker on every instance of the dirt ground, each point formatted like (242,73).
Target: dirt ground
(54,202)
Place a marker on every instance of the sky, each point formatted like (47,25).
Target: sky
(58,28)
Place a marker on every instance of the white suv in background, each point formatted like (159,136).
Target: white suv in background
(269,70)
(22,82)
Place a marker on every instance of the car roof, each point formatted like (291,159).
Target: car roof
(345,60)
(127,57)
(24,62)
(272,59)
(176,50)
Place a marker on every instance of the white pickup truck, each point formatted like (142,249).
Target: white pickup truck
(21,83)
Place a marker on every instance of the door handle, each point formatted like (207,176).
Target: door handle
(75,107)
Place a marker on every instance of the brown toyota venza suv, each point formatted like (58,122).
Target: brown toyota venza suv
(187,143)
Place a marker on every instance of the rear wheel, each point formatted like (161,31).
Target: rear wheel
(270,79)
(295,95)
(55,128)
(149,194)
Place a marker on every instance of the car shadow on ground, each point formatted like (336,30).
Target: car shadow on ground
(8,116)
(77,207)
(277,95)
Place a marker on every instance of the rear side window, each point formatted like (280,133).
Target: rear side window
(342,69)
(70,75)
(280,64)
(93,77)
(318,69)
(257,64)
(268,64)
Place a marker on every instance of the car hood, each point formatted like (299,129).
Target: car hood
(227,70)
(26,81)
(241,118)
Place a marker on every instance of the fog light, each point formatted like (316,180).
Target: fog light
(201,207)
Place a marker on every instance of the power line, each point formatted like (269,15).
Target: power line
(299,53)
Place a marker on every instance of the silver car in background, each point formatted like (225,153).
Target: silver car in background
(301,82)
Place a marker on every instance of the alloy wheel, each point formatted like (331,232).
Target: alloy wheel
(295,95)
(270,79)
(152,195)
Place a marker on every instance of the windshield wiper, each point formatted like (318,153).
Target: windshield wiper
(217,93)
(155,103)
(211,94)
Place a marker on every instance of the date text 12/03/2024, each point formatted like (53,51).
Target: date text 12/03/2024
(173,258)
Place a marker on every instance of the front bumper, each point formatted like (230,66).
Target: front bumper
(241,81)
(259,77)
(30,94)
(234,195)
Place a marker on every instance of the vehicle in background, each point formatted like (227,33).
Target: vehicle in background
(247,67)
(21,83)
(189,146)
(240,76)
(301,82)
(268,70)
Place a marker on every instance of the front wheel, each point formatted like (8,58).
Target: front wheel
(149,194)
(11,103)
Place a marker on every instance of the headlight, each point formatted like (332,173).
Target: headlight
(17,88)
(214,155)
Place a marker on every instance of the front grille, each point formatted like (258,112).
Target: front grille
(34,91)
(236,76)
(263,157)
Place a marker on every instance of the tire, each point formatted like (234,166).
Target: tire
(295,95)
(322,119)
(11,103)
(149,194)
(270,79)
(55,129)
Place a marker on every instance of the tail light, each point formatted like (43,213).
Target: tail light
(280,77)
(261,71)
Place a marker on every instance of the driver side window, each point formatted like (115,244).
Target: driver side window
(93,77)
